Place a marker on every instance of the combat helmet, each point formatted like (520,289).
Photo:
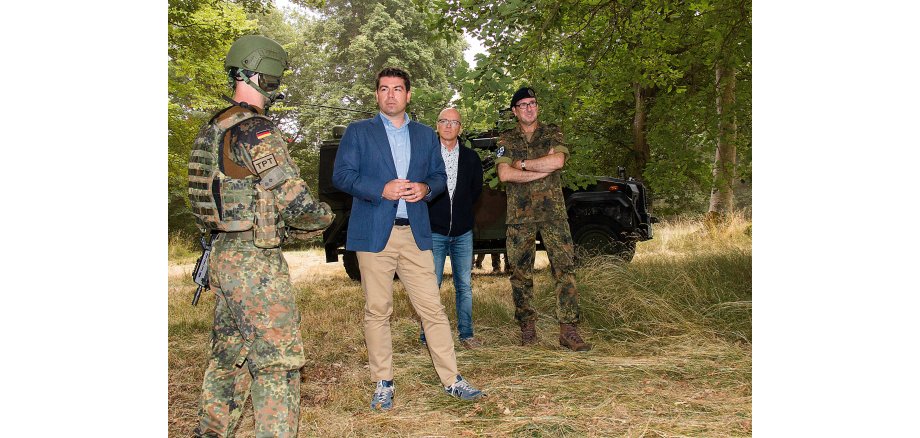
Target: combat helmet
(251,54)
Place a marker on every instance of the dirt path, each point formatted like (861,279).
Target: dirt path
(311,265)
(303,265)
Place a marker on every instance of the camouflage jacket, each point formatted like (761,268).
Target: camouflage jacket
(257,147)
(539,200)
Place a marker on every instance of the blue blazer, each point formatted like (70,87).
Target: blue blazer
(364,165)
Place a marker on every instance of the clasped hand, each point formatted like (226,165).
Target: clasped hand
(404,189)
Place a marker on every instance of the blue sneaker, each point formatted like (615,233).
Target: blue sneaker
(463,390)
(383,395)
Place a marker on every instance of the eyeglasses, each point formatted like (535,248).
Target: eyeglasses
(451,123)
(526,105)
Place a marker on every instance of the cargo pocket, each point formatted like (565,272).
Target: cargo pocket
(241,358)
(267,224)
(235,203)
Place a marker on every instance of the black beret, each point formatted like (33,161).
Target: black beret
(522,93)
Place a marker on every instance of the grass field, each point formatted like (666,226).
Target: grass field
(672,351)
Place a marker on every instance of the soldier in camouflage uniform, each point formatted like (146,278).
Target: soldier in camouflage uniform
(247,192)
(530,159)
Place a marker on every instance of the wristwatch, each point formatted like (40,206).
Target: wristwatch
(523,165)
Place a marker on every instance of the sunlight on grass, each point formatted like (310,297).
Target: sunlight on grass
(672,356)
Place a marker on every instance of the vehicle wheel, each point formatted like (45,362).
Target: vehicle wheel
(350,260)
(594,239)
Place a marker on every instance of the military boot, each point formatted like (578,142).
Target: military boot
(528,333)
(568,337)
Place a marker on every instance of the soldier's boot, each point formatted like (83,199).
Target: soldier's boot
(569,338)
(528,333)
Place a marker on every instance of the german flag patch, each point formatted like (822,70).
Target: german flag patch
(263,134)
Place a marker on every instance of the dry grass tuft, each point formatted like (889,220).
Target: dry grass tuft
(183,247)
(672,355)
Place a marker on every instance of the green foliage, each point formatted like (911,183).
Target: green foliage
(200,33)
(586,59)
(683,131)
(336,52)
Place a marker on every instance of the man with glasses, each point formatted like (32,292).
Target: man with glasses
(530,159)
(392,167)
(245,191)
(451,215)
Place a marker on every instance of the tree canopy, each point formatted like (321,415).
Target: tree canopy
(631,84)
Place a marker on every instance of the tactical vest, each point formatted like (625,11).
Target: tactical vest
(222,203)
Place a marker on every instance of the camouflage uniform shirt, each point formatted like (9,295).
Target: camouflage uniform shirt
(256,147)
(256,344)
(540,200)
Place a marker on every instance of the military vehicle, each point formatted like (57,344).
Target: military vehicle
(607,218)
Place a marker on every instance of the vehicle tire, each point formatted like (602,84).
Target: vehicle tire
(350,261)
(596,239)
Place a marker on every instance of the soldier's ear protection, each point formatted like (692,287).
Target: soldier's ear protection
(267,82)
(251,54)
(266,86)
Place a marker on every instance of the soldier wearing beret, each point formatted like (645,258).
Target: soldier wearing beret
(530,159)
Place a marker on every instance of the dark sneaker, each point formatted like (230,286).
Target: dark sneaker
(463,390)
(569,338)
(383,395)
(470,343)
(528,333)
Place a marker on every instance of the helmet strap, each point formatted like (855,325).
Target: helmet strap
(239,104)
(270,96)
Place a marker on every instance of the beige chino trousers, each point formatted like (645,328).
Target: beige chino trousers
(416,271)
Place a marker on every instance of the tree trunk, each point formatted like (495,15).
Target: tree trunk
(640,145)
(721,200)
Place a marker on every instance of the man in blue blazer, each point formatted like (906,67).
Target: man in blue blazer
(392,167)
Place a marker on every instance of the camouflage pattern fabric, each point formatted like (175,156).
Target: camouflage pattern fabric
(538,206)
(259,146)
(540,200)
(521,245)
(255,343)
(214,199)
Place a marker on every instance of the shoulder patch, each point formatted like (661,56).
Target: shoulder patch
(500,151)
(254,131)
(264,163)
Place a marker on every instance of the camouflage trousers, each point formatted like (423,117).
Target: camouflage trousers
(255,343)
(521,246)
